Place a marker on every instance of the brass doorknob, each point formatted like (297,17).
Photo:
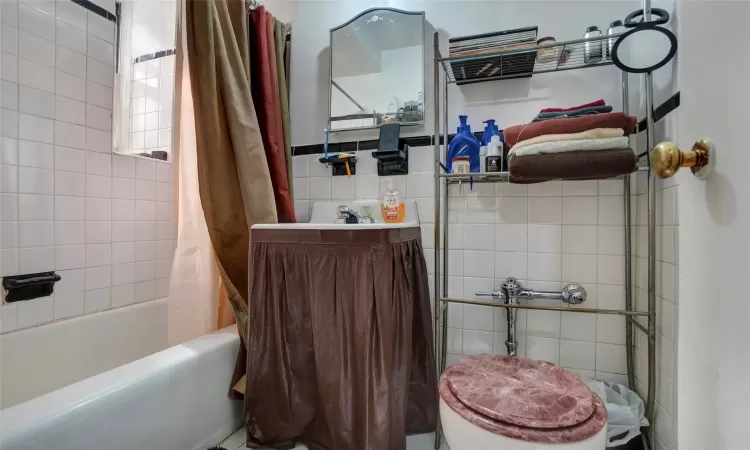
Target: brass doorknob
(667,158)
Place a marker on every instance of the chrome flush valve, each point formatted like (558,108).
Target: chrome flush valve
(574,294)
(511,288)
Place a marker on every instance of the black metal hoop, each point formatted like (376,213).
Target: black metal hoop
(643,27)
(663,17)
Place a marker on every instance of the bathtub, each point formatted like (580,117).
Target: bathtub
(42,359)
(175,399)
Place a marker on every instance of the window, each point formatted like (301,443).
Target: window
(145,79)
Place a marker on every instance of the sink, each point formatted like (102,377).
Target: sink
(324,214)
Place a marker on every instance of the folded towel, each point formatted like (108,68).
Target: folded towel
(584,165)
(596,133)
(585,145)
(585,105)
(587,111)
(518,133)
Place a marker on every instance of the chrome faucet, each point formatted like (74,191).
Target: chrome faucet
(511,291)
(348,215)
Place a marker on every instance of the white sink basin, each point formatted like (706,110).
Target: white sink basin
(324,214)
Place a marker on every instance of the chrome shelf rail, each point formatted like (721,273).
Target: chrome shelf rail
(499,177)
(618,312)
(525,61)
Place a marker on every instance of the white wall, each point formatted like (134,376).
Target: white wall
(714,357)
(103,222)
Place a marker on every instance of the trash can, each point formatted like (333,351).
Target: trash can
(626,414)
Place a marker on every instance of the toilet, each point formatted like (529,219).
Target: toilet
(492,402)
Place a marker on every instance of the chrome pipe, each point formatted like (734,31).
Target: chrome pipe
(511,342)
(442,334)
(650,138)
(436,149)
(629,342)
(541,295)
(446,197)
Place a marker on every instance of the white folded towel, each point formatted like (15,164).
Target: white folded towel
(595,133)
(573,146)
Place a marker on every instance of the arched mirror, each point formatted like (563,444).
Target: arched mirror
(377,70)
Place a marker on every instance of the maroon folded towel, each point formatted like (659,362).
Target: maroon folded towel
(565,125)
(581,165)
(599,102)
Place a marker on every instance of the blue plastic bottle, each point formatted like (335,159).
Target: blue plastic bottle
(464,144)
(490,130)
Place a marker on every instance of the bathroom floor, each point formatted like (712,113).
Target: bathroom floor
(419,442)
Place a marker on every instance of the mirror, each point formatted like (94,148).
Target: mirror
(645,48)
(377,70)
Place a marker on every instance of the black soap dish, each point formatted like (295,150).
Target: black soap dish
(27,287)
(338,165)
(392,162)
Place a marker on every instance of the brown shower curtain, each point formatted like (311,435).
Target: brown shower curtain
(268,104)
(233,172)
(281,70)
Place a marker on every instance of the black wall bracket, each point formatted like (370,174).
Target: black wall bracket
(338,165)
(392,162)
(27,287)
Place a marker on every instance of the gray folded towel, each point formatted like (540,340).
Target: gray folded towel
(589,110)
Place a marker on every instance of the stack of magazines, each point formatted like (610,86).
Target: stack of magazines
(475,67)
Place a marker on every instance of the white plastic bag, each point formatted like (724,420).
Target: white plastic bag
(626,413)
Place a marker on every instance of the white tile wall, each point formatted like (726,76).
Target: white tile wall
(546,235)
(151,105)
(667,302)
(103,222)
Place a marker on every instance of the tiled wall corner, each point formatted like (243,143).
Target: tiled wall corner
(546,235)
(664,431)
(103,222)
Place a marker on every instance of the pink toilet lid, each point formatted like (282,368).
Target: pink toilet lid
(519,391)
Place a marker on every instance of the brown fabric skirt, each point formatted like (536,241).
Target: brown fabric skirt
(340,352)
(581,165)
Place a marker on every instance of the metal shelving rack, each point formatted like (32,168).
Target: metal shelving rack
(575,60)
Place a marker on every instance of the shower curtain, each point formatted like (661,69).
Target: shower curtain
(198,302)
(267,97)
(234,181)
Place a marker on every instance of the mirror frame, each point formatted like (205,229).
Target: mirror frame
(642,27)
(330,67)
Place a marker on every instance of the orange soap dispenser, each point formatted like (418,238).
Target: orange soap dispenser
(392,207)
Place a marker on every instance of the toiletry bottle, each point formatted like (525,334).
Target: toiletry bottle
(592,50)
(464,144)
(392,207)
(494,155)
(490,130)
(615,27)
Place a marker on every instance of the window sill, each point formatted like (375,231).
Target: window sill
(136,156)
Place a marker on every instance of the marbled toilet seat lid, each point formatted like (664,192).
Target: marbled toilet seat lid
(520,391)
